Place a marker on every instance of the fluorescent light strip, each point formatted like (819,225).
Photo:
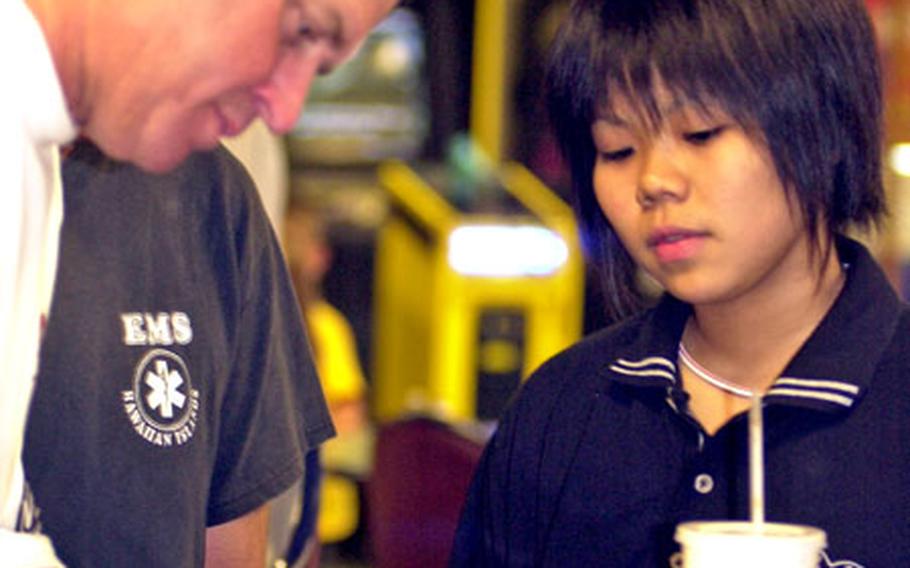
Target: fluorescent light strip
(506,250)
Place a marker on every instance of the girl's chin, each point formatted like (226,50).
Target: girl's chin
(695,293)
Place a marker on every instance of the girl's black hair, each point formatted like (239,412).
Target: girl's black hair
(803,76)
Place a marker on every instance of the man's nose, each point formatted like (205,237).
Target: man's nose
(280,100)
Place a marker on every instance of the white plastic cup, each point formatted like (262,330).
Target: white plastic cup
(722,544)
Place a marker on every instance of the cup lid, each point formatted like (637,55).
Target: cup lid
(700,529)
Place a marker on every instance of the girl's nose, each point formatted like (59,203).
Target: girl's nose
(661,176)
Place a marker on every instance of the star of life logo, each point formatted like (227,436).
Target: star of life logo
(162,405)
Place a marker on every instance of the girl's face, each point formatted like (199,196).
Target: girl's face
(698,204)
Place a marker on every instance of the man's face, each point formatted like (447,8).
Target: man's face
(167,78)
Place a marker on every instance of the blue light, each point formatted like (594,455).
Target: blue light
(506,250)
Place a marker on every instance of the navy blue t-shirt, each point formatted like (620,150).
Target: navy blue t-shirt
(176,388)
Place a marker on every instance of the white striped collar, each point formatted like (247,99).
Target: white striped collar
(814,392)
(648,371)
(658,371)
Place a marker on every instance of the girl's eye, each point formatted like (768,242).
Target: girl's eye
(700,137)
(616,155)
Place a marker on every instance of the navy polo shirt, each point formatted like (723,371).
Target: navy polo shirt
(597,461)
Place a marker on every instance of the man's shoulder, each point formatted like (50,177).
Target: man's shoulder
(201,174)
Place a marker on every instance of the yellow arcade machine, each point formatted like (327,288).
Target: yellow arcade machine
(475,287)
(478,281)
(470,297)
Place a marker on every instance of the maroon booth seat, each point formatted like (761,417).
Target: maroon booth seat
(421,474)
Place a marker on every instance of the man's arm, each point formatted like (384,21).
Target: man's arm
(240,543)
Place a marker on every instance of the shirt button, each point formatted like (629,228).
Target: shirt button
(704,483)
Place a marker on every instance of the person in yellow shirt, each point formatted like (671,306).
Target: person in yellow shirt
(347,458)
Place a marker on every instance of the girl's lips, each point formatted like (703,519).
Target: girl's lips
(674,245)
